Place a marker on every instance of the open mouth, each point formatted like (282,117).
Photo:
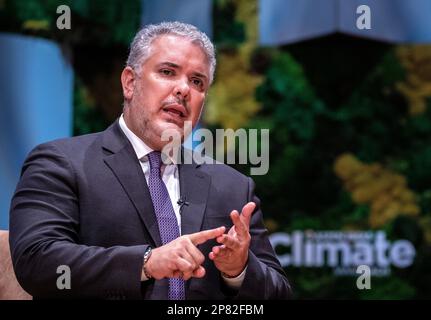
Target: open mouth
(176,110)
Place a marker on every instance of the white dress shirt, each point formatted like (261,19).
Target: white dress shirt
(170,177)
(169,172)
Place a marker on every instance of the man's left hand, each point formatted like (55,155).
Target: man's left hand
(231,256)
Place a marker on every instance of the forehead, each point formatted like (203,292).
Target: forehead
(178,50)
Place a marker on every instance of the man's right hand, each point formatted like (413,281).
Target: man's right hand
(181,258)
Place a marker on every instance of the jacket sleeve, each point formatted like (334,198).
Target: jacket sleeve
(44,237)
(264,278)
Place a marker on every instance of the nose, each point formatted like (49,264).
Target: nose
(182,89)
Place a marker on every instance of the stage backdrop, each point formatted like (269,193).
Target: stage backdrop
(349,180)
(36,86)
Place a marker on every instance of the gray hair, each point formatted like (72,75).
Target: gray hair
(140,47)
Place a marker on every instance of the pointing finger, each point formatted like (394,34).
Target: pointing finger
(203,236)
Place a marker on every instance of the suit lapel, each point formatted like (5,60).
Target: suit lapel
(126,168)
(194,187)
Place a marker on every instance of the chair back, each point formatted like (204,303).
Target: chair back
(9,286)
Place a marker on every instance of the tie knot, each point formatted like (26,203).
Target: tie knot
(155,159)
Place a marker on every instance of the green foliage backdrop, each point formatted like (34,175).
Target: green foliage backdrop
(349,120)
(329,100)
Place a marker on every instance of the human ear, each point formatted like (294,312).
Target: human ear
(128,82)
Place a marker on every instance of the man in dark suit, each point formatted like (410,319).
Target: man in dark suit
(129,223)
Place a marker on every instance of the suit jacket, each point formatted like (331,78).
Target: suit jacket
(84,202)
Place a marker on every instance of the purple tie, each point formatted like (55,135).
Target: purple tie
(166,219)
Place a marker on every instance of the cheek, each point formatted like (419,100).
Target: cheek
(159,86)
(146,103)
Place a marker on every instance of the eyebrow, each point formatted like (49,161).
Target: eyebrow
(169,64)
(175,66)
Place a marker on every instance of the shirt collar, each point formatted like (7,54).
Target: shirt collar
(140,147)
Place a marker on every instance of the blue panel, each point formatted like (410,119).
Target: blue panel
(286,21)
(391,20)
(195,12)
(36,95)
